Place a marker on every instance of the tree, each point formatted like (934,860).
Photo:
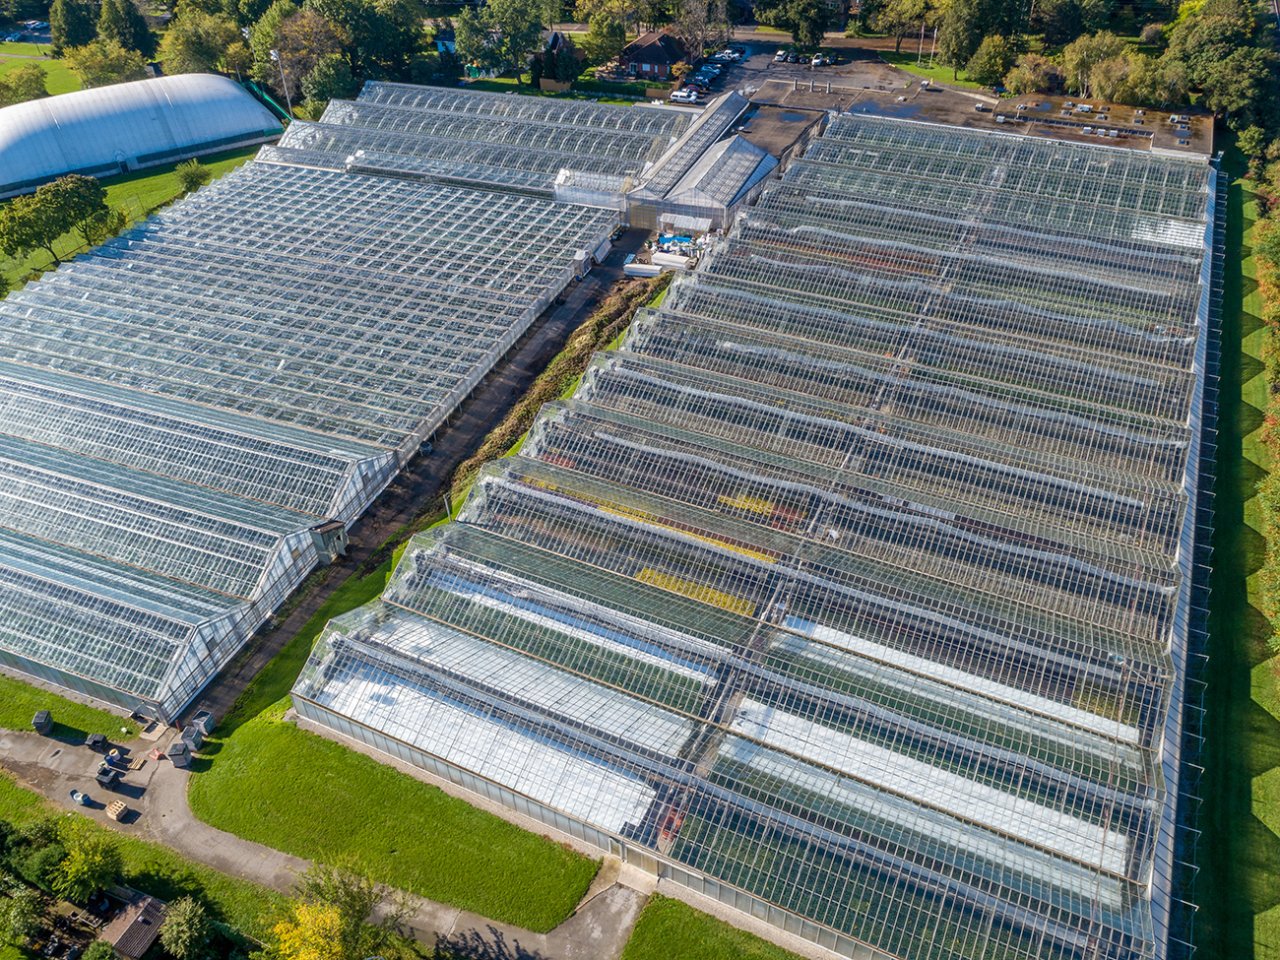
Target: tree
(19,86)
(192,175)
(4,286)
(901,19)
(606,36)
(104,62)
(1081,56)
(304,39)
(1062,21)
(311,933)
(342,903)
(263,38)
(959,33)
(28,224)
(504,35)
(1032,73)
(70,25)
(186,930)
(196,41)
(1242,87)
(329,79)
(991,61)
(92,862)
(380,37)
(99,950)
(1252,141)
(122,21)
(20,911)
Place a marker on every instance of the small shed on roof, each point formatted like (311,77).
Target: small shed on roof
(653,55)
(135,928)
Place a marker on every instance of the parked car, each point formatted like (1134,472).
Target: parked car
(780,57)
(685,95)
(792,58)
(805,58)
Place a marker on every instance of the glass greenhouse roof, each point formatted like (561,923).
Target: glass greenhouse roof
(184,409)
(498,140)
(852,579)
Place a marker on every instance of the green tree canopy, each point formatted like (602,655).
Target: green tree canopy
(123,22)
(187,930)
(606,36)
(1081,56)
(994,58)
(36,221)
(504,35)
(23,84)
(103,62)
(70,25)
(21,910)
(92,863)
(329,79)
(1031,73)
(192,175)
(197,41)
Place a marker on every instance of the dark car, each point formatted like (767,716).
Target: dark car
(792,58)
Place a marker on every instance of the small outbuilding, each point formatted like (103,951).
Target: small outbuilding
(42,722)
(652,56)
(97,742)
(134,929)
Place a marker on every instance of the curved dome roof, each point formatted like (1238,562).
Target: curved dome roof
(138,124)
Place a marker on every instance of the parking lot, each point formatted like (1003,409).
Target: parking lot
(852,68)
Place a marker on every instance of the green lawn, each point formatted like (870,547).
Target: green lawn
(670,930)
(157,870)
(58,79)
(19,702)
(138,194)
(24,47)
(1239,884)
(269,781)
(937,72)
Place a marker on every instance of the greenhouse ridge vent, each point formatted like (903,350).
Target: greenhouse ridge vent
(193,414)
(856,588)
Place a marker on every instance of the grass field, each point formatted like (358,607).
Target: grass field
(670,930)
(138,194)
(19,702)
(1239,884)
(938,73)
(158,871)
(269,781)
(58,79)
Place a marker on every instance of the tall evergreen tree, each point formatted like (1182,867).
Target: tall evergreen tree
(70,25)
(123,22)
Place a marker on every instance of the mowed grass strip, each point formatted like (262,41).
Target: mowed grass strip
(670,930)
(161,872)
(268,781)
(57,78)
(19,702)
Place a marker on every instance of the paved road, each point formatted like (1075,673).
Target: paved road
(598,929)
(421,483)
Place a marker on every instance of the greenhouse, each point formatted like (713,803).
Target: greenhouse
(192,414)
(855,589)
(487,139)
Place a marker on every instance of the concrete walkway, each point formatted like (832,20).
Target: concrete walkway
(598,929)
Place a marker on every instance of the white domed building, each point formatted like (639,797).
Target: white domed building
(127,126)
